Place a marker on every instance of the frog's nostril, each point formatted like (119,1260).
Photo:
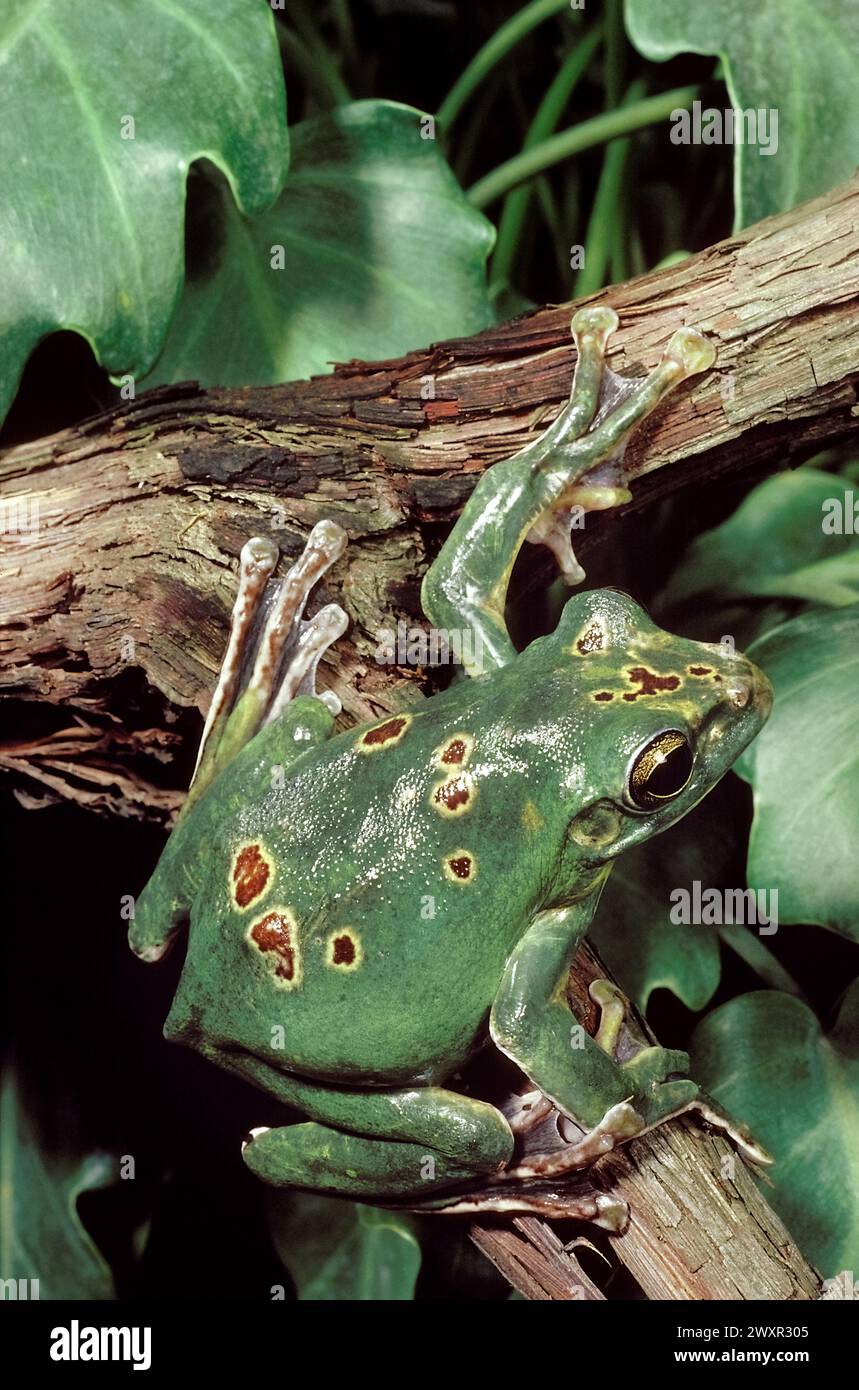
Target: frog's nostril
(739,693)
(749,687)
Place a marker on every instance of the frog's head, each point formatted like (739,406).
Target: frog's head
(663,719)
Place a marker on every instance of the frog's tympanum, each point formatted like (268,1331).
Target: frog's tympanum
(368,909)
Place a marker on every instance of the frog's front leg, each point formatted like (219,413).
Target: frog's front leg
(574,464)
(532,1023)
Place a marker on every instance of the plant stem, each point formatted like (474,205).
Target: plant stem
(463,156)
(615,53)
(599,239)
(325,71)
(346,30)
(597,131)
(548,114)
(496,48)
(753,951)
(298,60)
(542,185)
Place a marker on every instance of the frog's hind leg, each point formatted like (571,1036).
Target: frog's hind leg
(428,1150)
(573,467)
(399,1147)
(272,653)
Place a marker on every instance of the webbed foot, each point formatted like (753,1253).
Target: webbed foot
(273,653)
(658,1075)
(574,466)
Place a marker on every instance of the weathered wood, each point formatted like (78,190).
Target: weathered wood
(536,1262)
(113,606)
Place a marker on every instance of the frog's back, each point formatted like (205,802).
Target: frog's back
(365,898)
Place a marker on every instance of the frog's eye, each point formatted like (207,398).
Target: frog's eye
(660,771)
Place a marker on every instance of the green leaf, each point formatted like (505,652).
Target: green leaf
(633,930)
(804,768)
(339,1251)
(797,57)
(381,253)
(774,546)
(42,1174)
(765,1058)
(91,220)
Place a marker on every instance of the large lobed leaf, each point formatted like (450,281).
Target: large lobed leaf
(41,1177)
(798,57)
(765,1058)
(633,930)
(91,222)
(341,1251)
(804,768)
(381,253)
(774,546)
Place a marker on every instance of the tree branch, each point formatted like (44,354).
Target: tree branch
(119,580)
(116,593)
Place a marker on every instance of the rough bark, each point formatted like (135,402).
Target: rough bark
(115,595)
(536,1262)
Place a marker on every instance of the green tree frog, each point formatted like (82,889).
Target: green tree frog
(369,908)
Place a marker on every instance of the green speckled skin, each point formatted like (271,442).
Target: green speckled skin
(356,841)
(423,883)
